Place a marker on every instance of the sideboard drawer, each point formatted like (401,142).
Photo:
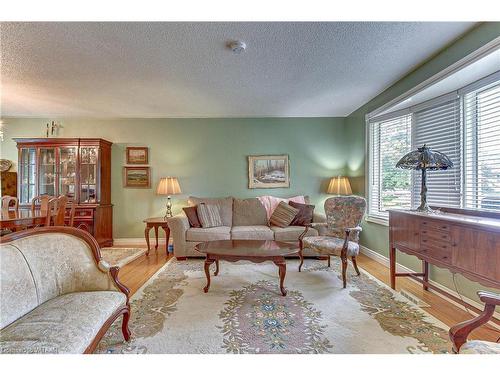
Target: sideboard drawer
(86,212)
(434,225)
(435,235)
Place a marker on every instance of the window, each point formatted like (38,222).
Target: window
(389,187)
(482,148)
(464,125)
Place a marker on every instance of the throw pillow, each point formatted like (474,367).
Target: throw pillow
(283,215)
(249,212)
(209,215)
(270,203)
(192,216)
(305,215)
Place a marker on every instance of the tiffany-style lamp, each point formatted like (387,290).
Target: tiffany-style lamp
(424,159)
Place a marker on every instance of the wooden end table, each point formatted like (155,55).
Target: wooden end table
(255,251)
(156,222)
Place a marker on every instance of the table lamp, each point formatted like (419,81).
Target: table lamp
(423,158)
(339,186)
(168,186)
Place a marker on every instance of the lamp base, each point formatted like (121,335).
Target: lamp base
(169,209)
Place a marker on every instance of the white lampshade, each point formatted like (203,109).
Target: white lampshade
(168,186)
(339,185)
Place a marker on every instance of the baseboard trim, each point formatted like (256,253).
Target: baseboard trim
(379,258)
(139,241)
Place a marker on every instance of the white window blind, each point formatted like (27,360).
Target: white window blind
(438,127)
(482,148)
(389,187)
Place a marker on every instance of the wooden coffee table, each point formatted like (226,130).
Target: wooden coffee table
(252,250)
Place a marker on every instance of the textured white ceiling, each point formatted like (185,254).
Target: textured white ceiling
(185,70)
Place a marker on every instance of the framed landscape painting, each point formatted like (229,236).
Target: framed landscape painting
(136,177)
(268,171)
(137,155)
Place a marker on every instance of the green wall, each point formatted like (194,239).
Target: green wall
(209,156)
(376,236)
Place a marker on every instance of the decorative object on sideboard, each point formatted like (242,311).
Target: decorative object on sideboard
(268,171)
(137,177)
(339,186)
(168,186)
(5,165)
(424,159)
(137,155)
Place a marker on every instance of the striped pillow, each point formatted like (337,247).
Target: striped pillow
(283,215)
(209,215)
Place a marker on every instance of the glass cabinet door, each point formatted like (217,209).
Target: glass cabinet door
(47,176)
(88,174)
(67,171)
(27,169)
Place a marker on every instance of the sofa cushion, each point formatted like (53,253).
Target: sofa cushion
(291,233)
(192,215)
(225,207)
(283,215)
(305,214)
(249,212)
(252,232)
(208,234)
(65,324)
(17,287)
(209,215)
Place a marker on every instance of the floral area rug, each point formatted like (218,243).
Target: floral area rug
(243,312)
(120,256)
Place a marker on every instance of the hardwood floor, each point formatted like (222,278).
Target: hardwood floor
(136,273)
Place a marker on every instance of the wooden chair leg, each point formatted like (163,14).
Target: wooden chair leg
(301,255)
(125,330)
(355,264)
(344,270)
(329,261)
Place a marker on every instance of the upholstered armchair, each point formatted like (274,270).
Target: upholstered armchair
(339,236)
(459,332)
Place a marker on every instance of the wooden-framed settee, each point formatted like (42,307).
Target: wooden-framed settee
(57,294)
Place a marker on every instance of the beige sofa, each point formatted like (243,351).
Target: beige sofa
(243,219)
(56,294)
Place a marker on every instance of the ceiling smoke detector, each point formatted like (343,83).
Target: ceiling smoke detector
(237,46)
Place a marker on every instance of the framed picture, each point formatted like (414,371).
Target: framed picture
(136,177)
(268,171)
(137,155)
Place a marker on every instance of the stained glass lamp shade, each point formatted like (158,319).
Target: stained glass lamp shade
(424,159)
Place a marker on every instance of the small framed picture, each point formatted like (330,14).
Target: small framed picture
(137,177)
(137,155)
(268,171)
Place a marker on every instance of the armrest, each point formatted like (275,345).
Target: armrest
(178,226)
(458,333)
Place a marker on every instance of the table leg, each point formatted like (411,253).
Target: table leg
(208,262)
(167,237)
(216,267)
(146,234)
(425,271)
(282,273)
(392,265)
(156,237)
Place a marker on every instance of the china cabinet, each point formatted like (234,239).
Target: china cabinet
(79,168)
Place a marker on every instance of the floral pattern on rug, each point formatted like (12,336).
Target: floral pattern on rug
(394,316)
(256,319)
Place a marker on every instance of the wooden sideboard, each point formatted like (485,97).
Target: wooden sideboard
(79,168)
(462,241)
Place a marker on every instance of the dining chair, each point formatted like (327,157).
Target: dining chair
(60,207)
(41,202)
(8,202)
(339,236)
